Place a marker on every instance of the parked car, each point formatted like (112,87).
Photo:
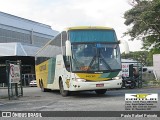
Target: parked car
(33,83)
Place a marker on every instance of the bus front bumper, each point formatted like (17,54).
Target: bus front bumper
(81,86)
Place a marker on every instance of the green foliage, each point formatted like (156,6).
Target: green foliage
(145,20)
(141,56)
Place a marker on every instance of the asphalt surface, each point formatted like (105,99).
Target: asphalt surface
(35,100)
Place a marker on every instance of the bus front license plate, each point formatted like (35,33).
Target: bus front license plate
(99,85)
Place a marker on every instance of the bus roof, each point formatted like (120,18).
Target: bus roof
(89,27)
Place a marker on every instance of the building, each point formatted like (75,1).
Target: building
(16,29)
(20,39)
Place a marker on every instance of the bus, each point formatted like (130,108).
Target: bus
(81,58)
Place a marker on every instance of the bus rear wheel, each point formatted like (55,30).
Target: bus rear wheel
(63,92)
(100,92)
(42,87)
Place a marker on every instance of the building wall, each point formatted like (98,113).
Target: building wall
(16,29)
(28,37)
(13,36)
(156,65)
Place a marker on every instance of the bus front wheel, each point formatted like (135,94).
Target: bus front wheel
(63,92)
(100,92)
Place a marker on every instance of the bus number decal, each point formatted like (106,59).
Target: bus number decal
(90,76)
(67,83)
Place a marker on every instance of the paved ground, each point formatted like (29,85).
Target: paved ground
(35,100)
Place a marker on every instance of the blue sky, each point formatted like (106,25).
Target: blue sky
(60,14)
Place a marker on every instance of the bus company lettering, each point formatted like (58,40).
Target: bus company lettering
(43,67)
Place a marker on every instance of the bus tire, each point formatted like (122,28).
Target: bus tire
(100,92)
(63,92)
(42,87)
(40,83)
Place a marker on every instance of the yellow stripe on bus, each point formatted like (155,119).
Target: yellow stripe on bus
(42,73)
(89,27)
(92,77)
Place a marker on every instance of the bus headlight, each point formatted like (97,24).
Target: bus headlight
(117,78)
(80,80)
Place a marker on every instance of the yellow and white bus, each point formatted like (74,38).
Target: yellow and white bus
(78,59)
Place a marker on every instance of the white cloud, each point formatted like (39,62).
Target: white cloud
(63,13)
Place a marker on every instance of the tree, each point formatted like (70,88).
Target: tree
(140,56)
(145,20)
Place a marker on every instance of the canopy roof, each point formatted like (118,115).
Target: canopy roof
(17,49)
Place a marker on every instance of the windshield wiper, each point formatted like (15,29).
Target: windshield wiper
(106,64)
(93,59)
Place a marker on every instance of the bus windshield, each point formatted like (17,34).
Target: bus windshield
(95,57)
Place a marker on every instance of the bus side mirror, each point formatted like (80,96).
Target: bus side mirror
(125,45)
(68,48)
